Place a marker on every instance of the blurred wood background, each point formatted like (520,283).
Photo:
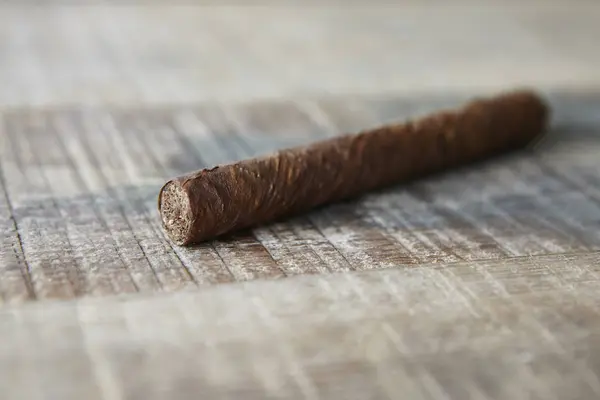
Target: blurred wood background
(477,284)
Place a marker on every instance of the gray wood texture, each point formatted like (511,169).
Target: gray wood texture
(524,328)
(481,283)
(156,52)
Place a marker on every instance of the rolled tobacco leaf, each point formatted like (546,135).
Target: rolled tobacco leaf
(208,203)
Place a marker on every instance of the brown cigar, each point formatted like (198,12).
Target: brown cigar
(212,202)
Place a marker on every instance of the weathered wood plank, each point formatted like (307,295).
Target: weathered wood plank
(138,204)
(82,187)
(14,268)
(500,329)
(494,288)
(135,141)
(53,266)
(85,156)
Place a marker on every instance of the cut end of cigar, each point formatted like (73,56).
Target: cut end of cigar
(176,213)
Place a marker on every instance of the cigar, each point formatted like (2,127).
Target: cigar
(206,204)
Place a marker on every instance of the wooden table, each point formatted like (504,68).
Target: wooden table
(482,283)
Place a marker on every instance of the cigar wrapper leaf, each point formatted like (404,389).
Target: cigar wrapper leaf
(209,203)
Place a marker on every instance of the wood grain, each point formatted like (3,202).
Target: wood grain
(501,329)
(81,187)
(478,284)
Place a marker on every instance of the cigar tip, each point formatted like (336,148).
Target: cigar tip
(538,106)
(175,211)
(531,97)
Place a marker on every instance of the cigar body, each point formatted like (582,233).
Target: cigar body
(211,202)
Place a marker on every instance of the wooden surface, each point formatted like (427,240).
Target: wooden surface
(478,284)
